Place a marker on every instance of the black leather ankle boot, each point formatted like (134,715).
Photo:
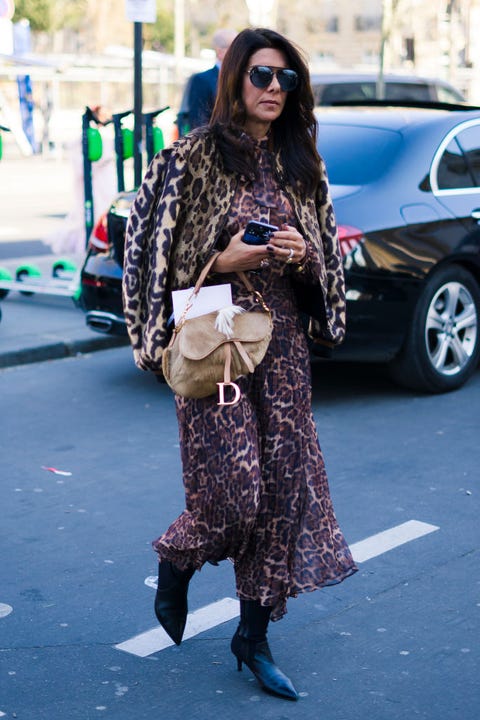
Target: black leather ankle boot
(171,606)
(250,646)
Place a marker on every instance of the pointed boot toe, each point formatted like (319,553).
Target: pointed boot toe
(269,675)
(171,606)
(172,622)
(258,658)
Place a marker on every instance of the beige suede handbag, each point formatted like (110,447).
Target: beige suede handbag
(206,354)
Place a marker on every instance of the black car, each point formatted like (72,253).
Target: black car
(405,184)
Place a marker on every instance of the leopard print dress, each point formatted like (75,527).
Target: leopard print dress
(255,482)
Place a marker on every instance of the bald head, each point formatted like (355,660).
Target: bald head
(222,41)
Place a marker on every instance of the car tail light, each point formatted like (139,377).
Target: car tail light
(93,282)
(349,238)
(99,237)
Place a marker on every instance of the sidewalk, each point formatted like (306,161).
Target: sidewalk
(46,328)
(36,197)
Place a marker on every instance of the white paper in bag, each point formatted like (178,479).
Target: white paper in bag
(209,299)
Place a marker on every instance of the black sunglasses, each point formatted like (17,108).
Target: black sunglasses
(262,75)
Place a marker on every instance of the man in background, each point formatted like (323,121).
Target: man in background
(201,89)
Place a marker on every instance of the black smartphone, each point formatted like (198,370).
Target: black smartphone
(258,233)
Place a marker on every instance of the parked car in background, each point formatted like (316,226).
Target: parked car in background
(406,190)
(336,88)
(101,274)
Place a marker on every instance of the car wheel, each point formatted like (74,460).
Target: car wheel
(442,347)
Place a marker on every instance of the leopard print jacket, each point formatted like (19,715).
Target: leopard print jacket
(178,214)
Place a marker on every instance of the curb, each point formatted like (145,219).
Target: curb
(59,349)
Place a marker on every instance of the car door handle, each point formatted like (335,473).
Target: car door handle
(476,214)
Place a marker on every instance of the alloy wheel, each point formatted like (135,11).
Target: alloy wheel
(451,328)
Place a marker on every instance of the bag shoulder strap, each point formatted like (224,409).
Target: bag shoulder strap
(258,295)
(194,293)
(203,275)
(241,274)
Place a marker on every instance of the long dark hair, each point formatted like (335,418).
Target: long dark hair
(294,133)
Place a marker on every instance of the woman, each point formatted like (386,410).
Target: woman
(254,477)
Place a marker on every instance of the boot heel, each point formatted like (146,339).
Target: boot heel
(239,664)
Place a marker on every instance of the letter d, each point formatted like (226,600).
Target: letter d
(221,393)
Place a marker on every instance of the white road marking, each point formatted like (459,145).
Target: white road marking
(216,613)
(5,610)
(203,619)
(394,537)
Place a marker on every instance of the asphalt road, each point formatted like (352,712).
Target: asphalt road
(398,640)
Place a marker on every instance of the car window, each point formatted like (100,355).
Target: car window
(328,93)
(407,91)
(453,171)
(469,140)
(357,155)
(449,95)
(344,91)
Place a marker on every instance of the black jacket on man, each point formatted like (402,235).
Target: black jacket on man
(200,97)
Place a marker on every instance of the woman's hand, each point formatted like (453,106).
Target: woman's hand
(288,245)
(240,256)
